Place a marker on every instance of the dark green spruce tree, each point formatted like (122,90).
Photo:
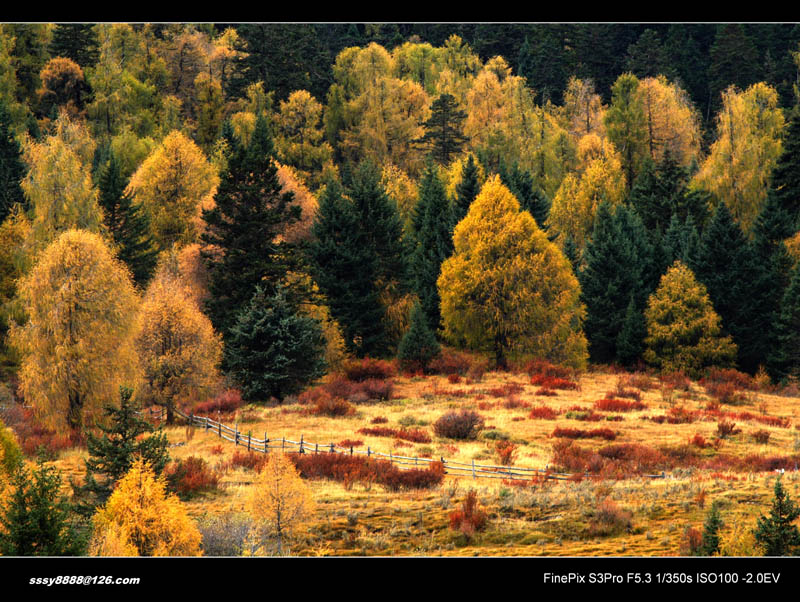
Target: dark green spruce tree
(419,345)
(76,41)
(128,224)
(523,186)
(786,175)
(777,534)
(273,350)
(346,272)
(444,136)
(12,170)
(432,242)
(711,529)
(726,264)
(38,519)
(112,454)
(244,248)
(466,190)
(784,358)
(617,268)
(630,340)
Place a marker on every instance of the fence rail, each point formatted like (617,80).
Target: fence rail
(265,444)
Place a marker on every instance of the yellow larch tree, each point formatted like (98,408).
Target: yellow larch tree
(177,345)
(142,519)
(174,184)
(280,498)
(507,289)
(748,144)
(77,345)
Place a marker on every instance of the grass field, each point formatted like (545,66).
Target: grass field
(628,514)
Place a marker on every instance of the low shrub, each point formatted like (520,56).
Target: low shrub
(359,370)
(470,518)
(553,382)
(544,391)
(570,433)
(190,476)
(724,392)
(637,380)
(676,380)
(506,451)
(459,425)
(414,435)
(610,519)
(450,361)
(226,402)
(477,369)
(691,542)
(541,367)
(543,413)
(761,436)
(244,459)
(350,443)
(618,405)
(726,428)
(506,390)
(454,378)
(514,403)
(379,420)
(333,407)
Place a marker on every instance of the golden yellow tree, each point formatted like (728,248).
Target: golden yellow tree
(739,167)
(280,498)
(174,184)
(583,108)
(178,348)
(683,330)
(142,519)
(77,345)
(507,289)
(579,195)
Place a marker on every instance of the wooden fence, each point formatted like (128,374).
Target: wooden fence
(265,444)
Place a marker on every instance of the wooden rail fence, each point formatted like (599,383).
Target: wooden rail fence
(265,444)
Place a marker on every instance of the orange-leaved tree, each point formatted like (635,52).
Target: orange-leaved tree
(507,289)
(77,345)
(683,330)
(280,498)
(142,519)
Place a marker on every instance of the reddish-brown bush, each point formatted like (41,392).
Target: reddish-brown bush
(726,428)
(724,392)
(625,393)
(506,390)
(609,518)
(226,402)
(379,420)
(544,368)
(350,443)
(739,380)
(507,452)
(349,469)
(477,369)
(359,370)
(453,378)
(469,518)
(637,380)
(569,433)
(450,361)
(676,380)
(514,403)
(415,435)
(191,476)
(249,460)
(543,413)
(761,436)
(691,542)
(553,382)
(333,407)
(459,425)
(618,405)
(699,441)
(546,392)
(485,405)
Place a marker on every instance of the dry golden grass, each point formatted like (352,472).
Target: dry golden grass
(554,519)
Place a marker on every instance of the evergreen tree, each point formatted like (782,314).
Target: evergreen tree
(37,519)
(419,345)
(432,242)
(466,190)
(726,265)
(76,41)
(784,359)
(443,133)
(711,528)
(381,224)
(12,170)
(776,533)
(523,186)
(273,350)
(128,224)
(617,269)
(786,175)
(630,340)
(243,234)
(542,60)
(346,270)
(733,61)
(112,454)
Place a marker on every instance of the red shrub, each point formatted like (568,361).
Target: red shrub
(507,451)
(377,389)
(699,441)
(544,368)
(691,542)
(190,476)
(477,368)
(637,380)
(333,407)
(726,428)
(314,394)
(459,425)
(618,405)
(350,443)
(469,518)
(347,468)
(379,420)
(543,412)
(761,436)
(724,392)
(553,382)
(569,433)
(226,402)
(359,370)
(506,390)
(453,378)
(546,392)
(415,435)
(250,460)
(676,380)
(738,380)
(485,405)
(626,393)
(513,403)
(450,361)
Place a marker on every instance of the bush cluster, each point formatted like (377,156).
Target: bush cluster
(459,425)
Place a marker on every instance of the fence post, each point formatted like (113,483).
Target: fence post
(248,440)
(236,436)
(368,451)
(219,429)
(283,443)
(473,468)
(266,443)
(301,443)
(332,448)
(316,448)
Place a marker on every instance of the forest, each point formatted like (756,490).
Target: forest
(195,215)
